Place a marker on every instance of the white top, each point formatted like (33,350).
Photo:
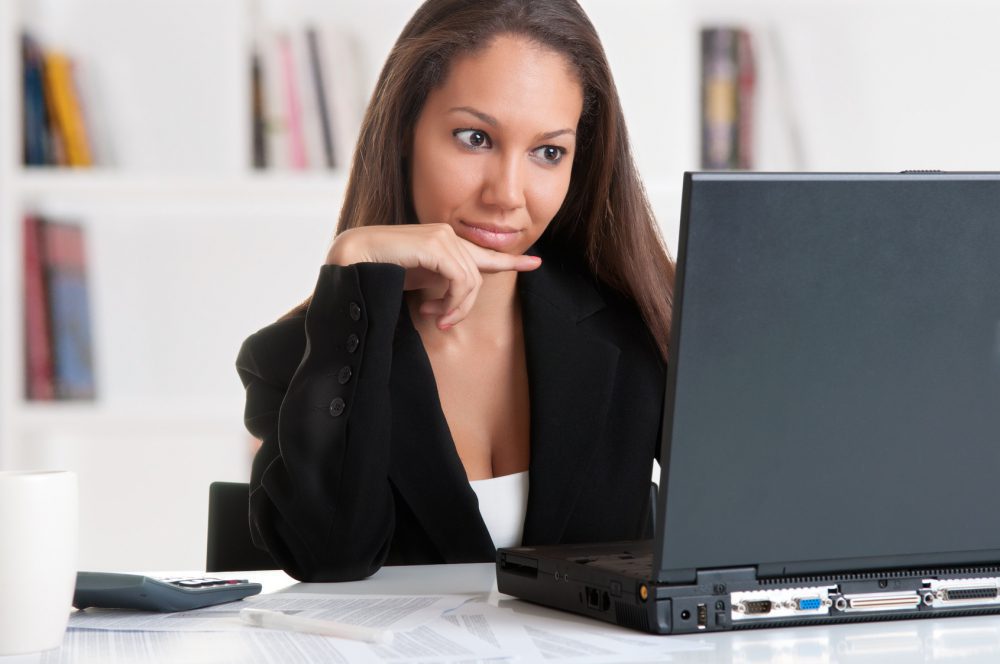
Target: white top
(503,502)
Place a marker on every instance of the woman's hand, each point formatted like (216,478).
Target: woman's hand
(445,267)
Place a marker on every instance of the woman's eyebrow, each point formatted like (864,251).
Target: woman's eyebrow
(488,119)
(493,122)
(558,132)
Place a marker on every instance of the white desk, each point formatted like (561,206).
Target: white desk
(972,639)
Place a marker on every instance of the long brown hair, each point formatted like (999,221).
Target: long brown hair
(605,218)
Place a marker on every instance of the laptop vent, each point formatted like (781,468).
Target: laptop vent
(866,576)
(628,615)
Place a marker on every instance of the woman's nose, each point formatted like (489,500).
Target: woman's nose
(504,186)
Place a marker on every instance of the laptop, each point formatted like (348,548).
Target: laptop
(831,434)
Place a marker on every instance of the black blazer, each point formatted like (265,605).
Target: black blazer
(358,468)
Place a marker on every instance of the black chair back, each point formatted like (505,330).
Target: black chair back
(230,548)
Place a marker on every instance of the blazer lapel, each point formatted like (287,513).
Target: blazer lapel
(571,373)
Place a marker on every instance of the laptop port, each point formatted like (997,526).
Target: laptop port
(799,602)
(597,599)
(702,616)
(880,601)
(808,603)
(520,565)
(962,591)
(757,607)
(968,594)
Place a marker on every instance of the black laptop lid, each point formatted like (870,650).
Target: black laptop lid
(834,385)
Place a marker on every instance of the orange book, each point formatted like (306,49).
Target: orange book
(65,109)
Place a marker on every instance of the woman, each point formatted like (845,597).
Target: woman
(492,315)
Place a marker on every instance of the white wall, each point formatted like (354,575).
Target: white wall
(181,275)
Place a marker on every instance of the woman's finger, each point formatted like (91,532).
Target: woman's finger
(456,305)
(490,261)
(461,293)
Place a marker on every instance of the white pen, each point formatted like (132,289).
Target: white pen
(279,620)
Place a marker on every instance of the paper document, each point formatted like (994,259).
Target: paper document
(261,646)
(396,612)
(443,628)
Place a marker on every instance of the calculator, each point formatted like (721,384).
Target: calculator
(135,591)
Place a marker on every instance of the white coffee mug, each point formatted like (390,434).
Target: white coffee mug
(38,558)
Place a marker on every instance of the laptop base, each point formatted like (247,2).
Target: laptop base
(612,582)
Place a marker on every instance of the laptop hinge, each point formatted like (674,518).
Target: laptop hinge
(675,577)
(719,579)
(702,577)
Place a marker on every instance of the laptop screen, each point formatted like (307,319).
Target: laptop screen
(834,387)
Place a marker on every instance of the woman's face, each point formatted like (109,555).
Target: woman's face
(493,147)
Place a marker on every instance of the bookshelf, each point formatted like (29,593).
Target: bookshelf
(190,250)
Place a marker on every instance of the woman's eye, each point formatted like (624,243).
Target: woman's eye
(550,153)
(473,138)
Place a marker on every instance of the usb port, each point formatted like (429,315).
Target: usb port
(702,616)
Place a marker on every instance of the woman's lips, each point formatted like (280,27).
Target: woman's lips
(489,237)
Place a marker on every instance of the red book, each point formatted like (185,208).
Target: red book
(747,79)
(39,383)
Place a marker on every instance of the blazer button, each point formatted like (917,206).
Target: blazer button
(352,343)
(337,407)
(344,375)
(355,311)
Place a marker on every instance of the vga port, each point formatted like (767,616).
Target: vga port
(808,603)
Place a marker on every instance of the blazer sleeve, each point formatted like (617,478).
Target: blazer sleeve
(320,499)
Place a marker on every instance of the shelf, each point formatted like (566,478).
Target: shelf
(102,184)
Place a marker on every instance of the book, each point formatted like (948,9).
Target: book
(746,69)
(65,268)
(312,96)
(292,103)
(64,109)
(276,125)
(35,120)
(258,114)
(727,93)
(38,372)
(310,116)
(322,104)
